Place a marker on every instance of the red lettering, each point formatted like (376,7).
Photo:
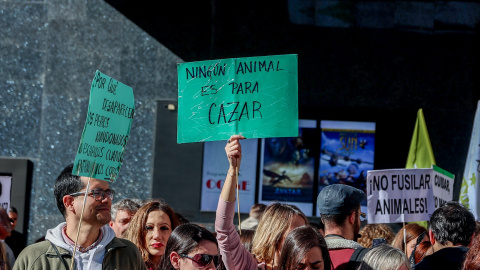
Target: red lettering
(210,183)
(244,185)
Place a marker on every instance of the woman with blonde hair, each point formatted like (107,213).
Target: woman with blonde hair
(305,248)
(150,229)
(275,224)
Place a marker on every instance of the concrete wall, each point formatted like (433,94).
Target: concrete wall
(49,52)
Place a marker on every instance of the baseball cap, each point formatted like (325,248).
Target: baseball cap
(339,199)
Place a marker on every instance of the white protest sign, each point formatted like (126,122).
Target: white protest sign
(406,195)
(5,190)
(442,186)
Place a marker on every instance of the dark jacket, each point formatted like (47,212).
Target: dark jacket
(119,254)
(17,242)
(446,258)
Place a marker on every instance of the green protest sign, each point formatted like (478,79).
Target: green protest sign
(256,97)
(109,118)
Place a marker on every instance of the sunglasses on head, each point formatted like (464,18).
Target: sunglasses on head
(203,260)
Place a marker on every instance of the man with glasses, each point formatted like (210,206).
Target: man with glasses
(97,247)
(339,206)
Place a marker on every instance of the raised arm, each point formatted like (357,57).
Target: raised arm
(233,149)
(234,254)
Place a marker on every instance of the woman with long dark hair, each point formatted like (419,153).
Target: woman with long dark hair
(305,248)
(191,247)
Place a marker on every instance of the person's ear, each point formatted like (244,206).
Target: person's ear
(68,203)
(175,260)
(352,217)
(110,223)
(432,237)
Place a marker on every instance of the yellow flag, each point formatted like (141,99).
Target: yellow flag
(421,153)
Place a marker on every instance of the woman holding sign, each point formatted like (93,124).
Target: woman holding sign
(277,221)
(150,229)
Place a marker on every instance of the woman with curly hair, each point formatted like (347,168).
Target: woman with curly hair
(373,231)
(472,258)
(150,229)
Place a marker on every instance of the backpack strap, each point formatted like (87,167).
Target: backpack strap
(357,257)
(59,256)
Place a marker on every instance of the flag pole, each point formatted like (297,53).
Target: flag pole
(238,199)
(404,236)
(81,215)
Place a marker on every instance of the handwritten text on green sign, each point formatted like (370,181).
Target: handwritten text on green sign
(255,97)
(107,127)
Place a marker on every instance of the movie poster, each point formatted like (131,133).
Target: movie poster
(215,167)
(346,154)
(287,168)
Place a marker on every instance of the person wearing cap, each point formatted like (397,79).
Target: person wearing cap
(339,207)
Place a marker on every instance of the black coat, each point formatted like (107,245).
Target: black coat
(17,242)
(446,258)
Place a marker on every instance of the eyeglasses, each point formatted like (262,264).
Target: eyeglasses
(98,194)
(203,260)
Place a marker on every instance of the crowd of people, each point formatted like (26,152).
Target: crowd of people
(137,234)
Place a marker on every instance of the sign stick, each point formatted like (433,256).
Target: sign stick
(238,201)
(81,215)
(404,235)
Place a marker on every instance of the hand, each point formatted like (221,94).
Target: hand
(233,149)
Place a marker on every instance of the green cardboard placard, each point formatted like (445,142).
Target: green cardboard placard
(256,97)
(109,118)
